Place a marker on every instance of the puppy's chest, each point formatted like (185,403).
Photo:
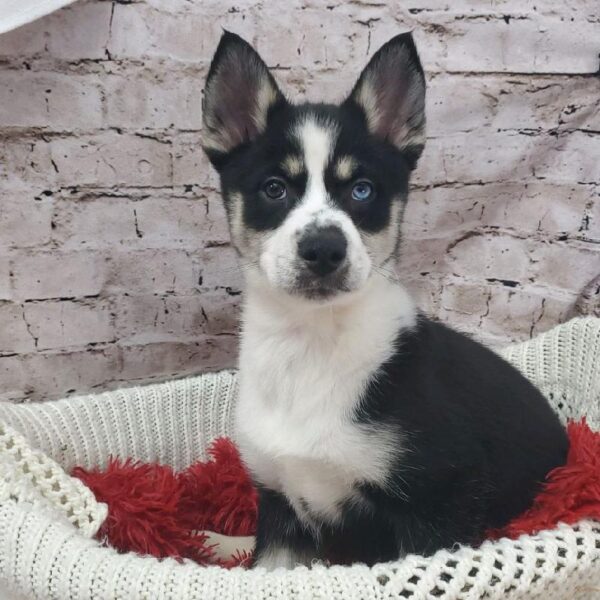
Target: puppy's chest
(318,462)
(297,431)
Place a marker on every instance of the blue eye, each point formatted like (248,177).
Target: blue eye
(275,189)
(362,191)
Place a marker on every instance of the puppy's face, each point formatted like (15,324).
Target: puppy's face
(314,193)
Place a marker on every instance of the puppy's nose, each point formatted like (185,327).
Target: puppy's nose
(323,250)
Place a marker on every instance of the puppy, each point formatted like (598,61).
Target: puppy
(370,430)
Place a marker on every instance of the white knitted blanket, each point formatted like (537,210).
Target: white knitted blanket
(47,519)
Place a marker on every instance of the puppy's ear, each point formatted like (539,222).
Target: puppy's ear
(238,96)
(391,93)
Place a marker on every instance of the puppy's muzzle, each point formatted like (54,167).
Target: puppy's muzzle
(323,250)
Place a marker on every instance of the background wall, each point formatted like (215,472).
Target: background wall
(114,258)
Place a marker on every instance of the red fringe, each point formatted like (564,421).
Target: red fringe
(153,510)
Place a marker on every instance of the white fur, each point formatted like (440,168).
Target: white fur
(286,558)
(305,365)
(303,370)
(279,257)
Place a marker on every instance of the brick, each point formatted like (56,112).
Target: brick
(485,156)
(167,359)
(106,191)
(153,271)
(80,31)
(222,310)
(490,257)
(155,101)
(426,291)
(63,324)
(12,377)
(565,267)
(14,335)
(536,207)
(519,315)
(111,159)
(306,38)
(220,267)
(48,375)
(167,222)
(28,40)
(145,319)
(590,227)
(26,165)
(5,287)
(94,222)
(531,208)
(457,103)
(422,257)
(18,208)
(140,31)
(529,45)
(571,158)
(43,275)
(190,165)
(501,315)
(49,100)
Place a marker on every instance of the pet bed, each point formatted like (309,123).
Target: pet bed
(47,519)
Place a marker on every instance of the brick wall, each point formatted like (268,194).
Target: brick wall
(114,257)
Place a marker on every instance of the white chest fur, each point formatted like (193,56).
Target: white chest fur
(303,370)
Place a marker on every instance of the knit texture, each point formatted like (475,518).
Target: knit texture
(47,550)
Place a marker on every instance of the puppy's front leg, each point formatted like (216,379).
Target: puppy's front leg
(281,539)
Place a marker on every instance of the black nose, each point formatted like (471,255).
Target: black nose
(323,250)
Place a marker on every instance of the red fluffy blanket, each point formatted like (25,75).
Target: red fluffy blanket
(153,510)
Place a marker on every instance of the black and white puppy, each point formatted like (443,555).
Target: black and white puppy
(370,430)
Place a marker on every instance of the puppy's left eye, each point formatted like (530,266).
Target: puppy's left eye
(362,191)
(275,189)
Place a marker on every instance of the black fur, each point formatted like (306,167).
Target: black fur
(479,437)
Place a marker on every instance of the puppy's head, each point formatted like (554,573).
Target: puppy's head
(314,193)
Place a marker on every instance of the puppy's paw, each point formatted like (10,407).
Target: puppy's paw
(280,558)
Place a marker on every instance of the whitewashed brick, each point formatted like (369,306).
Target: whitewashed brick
(168,359)
(14,335)
(63,324)
(523,207)
(140,31)
(486,156)
(94,222)
(12,376)
(154,101)
(18,208)
(165,222)
(42,275)
(457,103)
(26,165)
(51,101)
(80,31)
(153,271)
(47,375)
(111,159)
(531,45)
(106,191)
(490,256)
(566,267)
(500,315)
(5,288)
(145,319)
(190,165)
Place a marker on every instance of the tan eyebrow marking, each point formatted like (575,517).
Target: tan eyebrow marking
(344,167)
(293,165)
